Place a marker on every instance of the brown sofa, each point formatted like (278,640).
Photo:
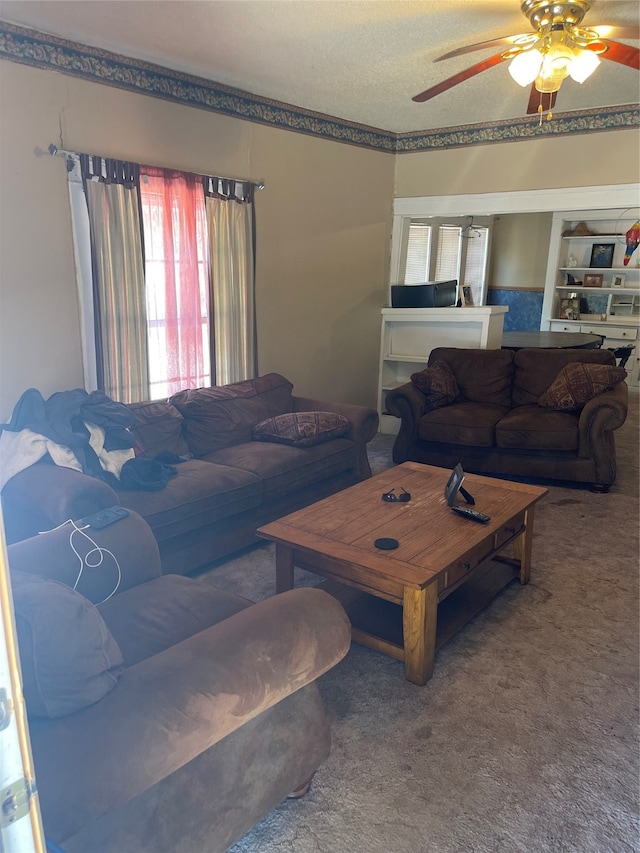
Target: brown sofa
(495,424)
(174,715)
(230,484)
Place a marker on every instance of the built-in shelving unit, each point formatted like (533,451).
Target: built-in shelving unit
(572,303)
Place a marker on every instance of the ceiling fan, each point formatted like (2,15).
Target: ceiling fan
(560,47)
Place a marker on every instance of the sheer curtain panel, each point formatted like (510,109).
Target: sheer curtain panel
(177,273)
(230,222)
(111,189)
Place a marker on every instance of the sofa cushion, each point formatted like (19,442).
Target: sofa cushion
(301,429)
(483,375)
(535,428)
(153,616)
(200,493)
(224,415)
(284,469)
(577,383)
(158,428)
(437,383)
(470,424)
(68,655)
(535,369)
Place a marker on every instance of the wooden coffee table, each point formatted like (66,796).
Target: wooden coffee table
(407,602)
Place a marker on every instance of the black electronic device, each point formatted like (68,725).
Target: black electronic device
(454,485)
(471,514)
(104,517)
(430,294)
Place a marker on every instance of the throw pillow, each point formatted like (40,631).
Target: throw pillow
(158,428)
(437,383)
(68,655)
(578,382)
(301,429)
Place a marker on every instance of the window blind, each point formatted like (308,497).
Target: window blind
(476,262)
(449,252)
(418,253)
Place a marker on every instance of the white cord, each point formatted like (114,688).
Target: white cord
(85,561)
(100,558)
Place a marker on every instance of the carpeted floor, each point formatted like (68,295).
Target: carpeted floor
(526,737)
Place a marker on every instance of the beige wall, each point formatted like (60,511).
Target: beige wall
(324,221)
(519,251)
(595,159)
(323,233)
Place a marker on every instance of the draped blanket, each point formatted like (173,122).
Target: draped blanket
(89,432)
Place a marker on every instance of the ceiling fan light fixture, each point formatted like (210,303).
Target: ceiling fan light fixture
(583,65)
(555,67)
(525,66)
(548,84)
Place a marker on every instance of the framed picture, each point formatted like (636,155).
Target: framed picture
(593,279)
(569,309)
(618,280)
(602,255)
(467,297)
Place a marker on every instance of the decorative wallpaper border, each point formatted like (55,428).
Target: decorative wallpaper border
(41,50)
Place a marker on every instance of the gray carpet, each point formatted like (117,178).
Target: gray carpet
(525,739)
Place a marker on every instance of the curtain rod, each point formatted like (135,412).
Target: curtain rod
(60,152)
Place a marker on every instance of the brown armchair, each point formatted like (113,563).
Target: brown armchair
(173,715)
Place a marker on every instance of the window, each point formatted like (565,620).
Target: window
(165,270)
(440,250)
(176,277)
(475,269)
(449,253)
(418,253)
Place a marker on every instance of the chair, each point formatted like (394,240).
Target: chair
(623,354)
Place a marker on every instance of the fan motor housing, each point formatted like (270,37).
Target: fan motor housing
(542,13)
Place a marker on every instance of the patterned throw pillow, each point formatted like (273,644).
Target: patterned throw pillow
(301,429)
(578,382)
(438,383)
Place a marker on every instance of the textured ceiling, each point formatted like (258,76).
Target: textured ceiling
(360,60)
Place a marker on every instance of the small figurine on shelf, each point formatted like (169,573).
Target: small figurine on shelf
(572,261)
(633,240)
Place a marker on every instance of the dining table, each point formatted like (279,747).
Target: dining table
(551,340)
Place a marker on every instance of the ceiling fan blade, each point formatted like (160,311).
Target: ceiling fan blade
(624,54)
(460,77)
(606,32)
(540,101)
(523,38)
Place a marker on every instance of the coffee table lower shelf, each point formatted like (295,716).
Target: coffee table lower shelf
(377,623)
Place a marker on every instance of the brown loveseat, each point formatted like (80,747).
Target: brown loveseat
(231,482)
(174,715)
(492,421)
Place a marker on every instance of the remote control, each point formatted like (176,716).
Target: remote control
(104,517)
(473,514)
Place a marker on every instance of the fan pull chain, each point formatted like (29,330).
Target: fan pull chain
(540,111)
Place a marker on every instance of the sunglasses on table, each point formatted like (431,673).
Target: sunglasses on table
(392,497)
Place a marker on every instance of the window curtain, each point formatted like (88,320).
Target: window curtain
(177,270)
(111,190)
(231,230)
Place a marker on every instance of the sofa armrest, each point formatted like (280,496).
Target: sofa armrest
(172,707)
(44,495)
(130,540)
(364,424)
(602,415)
(408,403)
